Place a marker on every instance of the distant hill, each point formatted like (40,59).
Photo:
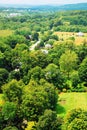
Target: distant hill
(79,6)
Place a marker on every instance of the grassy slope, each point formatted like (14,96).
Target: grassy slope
(68,101)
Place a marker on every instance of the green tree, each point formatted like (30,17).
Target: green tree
(78,124)
(15,74)
(7,59)
(75,80)
(68,62)
(3,76)
(7,114)
(35,73)
(34,102)
(13,91)
(53,75)
(37,98)
(38,58)
(83,71)
(26,63)
(76,119)
(82,52)
(3,46)
(9,111)
(14,39)
(55,53)
(35,36)
(2,123)
(1,59)
(10,128)
(49,121)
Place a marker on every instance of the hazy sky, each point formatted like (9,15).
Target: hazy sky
(40,2)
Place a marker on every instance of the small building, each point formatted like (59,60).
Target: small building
(48,46)
(17,70)
(80,34)
(14,14)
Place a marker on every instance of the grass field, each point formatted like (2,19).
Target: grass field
(5,33)
(66,35)
(68,101)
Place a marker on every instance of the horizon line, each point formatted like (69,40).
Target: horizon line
(54,4)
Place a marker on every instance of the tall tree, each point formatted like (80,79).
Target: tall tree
(83,71)
(67,62)
(13,91)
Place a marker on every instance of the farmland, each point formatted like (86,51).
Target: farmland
(67,35)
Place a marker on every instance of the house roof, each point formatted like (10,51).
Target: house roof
(80,33)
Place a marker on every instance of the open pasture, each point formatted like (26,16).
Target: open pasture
(66,35)
(69,101)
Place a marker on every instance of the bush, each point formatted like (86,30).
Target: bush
(49,121)
(10,128)
(76,119)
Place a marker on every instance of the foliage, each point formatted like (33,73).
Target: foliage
(83,71)
(31,125)
(10,128)
(35,73)
(13,91)
(35,36)
(1,59)
(3,76)
(75,79)
(76,119)
(67,62)
(49,121)
(9,111)
(53,75)
(14,39)
(36,99)
(82,52)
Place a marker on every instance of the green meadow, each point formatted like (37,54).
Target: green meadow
(69,101)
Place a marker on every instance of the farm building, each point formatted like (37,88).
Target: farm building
(80,34)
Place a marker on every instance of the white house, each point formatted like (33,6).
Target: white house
(48,46)
(80,34)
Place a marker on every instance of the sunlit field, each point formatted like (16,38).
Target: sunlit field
(69,101)
(66,35)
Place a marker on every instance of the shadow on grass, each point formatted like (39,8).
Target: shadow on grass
(60,109)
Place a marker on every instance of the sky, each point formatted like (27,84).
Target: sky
(41,2)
